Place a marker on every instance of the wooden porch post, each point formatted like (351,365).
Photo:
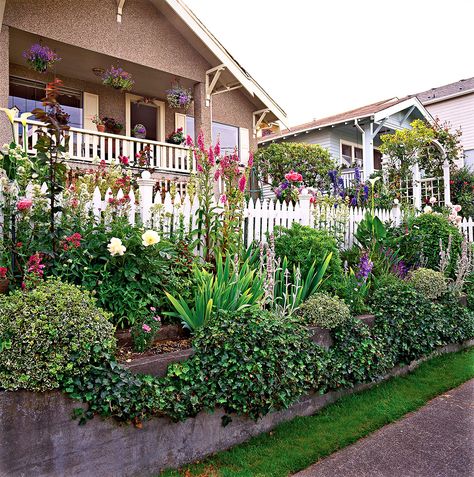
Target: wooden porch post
(368,147)
(202,114)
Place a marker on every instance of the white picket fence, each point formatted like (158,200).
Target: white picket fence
(173,214)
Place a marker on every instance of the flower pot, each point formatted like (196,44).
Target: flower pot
(101,127)
(116,130)
(4,282)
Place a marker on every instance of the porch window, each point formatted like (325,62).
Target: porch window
(26,95)
(351,154)
(190,127)
(227,135)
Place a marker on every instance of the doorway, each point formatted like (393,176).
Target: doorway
(150,114)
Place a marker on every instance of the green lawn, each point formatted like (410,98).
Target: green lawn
(295,445)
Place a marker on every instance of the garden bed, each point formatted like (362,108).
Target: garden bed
(37,434)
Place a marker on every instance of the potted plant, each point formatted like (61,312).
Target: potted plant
(40,58)
(112,125)
(139,131)
(179,97)
(118,78)
(176,137)
(99,123)
(4,281)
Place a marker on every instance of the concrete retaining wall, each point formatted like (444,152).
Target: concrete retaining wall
(39,438)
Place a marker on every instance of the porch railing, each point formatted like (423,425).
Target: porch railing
(85,146)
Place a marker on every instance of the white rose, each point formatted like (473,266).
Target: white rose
(150,237)
(115,247)
(427,210)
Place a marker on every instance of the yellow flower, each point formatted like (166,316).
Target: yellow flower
(150,237)
(24,117)
(115,247)
(11,113)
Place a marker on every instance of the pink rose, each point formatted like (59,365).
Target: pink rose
(293,176)
(24,204)
(146,328)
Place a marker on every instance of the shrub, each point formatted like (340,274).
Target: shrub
(312,161)
(304,245)
(50,331)
(421,244)
(429,283)
(249,363)
(462,190)
(324,310)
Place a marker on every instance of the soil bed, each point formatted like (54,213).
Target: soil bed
(125,353)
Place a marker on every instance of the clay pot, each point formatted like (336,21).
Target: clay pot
(4,282)
(101,127)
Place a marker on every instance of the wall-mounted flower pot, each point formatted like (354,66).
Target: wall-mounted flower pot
(4,283)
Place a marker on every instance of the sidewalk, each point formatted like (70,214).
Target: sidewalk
(435,441)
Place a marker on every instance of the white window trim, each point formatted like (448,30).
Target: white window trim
(352,146)
(214,140)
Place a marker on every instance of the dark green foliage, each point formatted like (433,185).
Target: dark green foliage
(312,161)
(48,332)
(304,245)
(273,354)
(418,242)
(462,190)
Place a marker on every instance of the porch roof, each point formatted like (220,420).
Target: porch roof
(375,112)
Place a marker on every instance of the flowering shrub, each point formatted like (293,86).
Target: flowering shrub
(49,332)
(179,97)
(118,78)
(144,331)
(289,189)
(324,310)
(3,273)
(462,190)
(40,58)
(429,283)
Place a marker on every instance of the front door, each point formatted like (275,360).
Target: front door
(150,114)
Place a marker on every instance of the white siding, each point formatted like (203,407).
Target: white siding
(460,113)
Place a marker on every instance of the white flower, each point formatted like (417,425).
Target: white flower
(457,208)
(115,247)
(373,181)
(427,209)
(396,201)
(150,237)
(5,148)
(433,200)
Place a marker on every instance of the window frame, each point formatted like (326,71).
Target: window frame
(230,126)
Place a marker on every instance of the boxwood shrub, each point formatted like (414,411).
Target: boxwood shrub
(324,310)
(48,332)
(430,283)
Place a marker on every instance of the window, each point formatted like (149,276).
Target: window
(228,137)
(190,127)
(351,154)
(26,95)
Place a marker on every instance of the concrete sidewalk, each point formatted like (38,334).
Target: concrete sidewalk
(435,441)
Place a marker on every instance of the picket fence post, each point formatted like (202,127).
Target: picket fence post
(145,186)
(305,207)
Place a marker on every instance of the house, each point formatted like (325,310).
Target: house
(160,43)
(353,137)
(454,103)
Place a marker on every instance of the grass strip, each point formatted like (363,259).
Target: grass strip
(295,445)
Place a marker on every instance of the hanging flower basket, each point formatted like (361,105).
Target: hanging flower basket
(139,131)
(179,98)
(118,78)
(40,58)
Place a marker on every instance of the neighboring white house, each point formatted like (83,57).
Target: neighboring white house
(353,137)
(454,103)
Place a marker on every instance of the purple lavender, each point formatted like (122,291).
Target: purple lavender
(365,268)
(40,57)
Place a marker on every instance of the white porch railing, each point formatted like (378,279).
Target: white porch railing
(86,145)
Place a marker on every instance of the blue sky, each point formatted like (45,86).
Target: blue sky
(316,58)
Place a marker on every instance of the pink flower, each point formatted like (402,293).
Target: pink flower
(293,176)
(146,328)
(157,318)
(3,272)
(223,198)
(217,149)
(211,157)
(24,204)
(189,141)
(242,183)
(124,160)
(199,167)
(457,208)
(217,174)
(201,141)
(152,308)
(251,159)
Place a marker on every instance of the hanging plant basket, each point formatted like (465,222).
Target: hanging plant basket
(139,131)
(40,58)
(179,98)
(118,78)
